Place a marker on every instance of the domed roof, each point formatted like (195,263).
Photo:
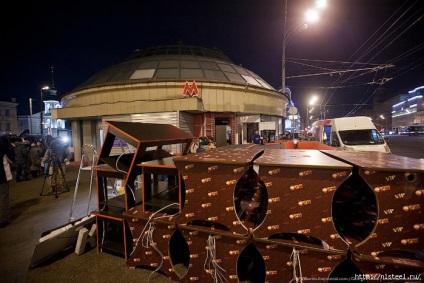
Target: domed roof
(173,63)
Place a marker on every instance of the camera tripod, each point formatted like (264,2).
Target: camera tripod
(57,167)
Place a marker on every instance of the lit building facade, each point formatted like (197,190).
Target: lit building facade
(409,110)
(50,125)
(8,116)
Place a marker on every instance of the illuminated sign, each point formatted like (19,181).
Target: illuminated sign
(190,90)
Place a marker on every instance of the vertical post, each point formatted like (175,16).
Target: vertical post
(283,59)
(41,109)
(30,115)
(41,112)
(307,117)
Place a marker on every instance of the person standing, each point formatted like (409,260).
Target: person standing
(41,151)
(56,157)
(256,138)
(35,161)
(7,155)
(21,161)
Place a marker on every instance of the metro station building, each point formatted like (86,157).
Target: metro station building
(196,89)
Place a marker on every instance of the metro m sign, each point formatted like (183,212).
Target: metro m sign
(190,90)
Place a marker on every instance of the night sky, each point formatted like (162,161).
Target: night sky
(79,38)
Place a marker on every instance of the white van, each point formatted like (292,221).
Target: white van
(350,133)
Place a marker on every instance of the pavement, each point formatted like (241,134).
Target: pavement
(33,212)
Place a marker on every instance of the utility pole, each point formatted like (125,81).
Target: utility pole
(41,109)
(30,115)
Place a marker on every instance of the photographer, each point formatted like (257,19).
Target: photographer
(56,157)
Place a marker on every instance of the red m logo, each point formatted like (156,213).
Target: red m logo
(190,90)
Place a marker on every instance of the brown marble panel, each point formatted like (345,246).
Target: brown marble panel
(210,179)
(301,185)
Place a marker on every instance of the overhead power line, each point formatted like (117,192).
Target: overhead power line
(339,72)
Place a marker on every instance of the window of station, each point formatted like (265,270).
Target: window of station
(251,80)
(149,65)
(214,75)
(241,71)
(209,65)
(190,64)
(192,74)
(227,68)
(235,78)
(264,84)
(168,73)
(169,64)
(143,74)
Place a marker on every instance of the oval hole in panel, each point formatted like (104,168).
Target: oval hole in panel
(354,210)
(250,199)
(179,254)
(251,266)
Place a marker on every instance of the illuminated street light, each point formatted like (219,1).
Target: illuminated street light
(311,17)
(313,100)
(321,4)
(311,103)
(385,127)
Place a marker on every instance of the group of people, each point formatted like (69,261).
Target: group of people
(28,160)
(202,144)
(35,158)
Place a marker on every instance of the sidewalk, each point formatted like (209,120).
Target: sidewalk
(33,214)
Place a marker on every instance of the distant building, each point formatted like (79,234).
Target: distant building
(409,109)
(9,116)
(391,115)
(50,126)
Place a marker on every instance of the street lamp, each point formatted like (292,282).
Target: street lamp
(30,115)
(311,103)
(41,109)
(385,127)
(311,16)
